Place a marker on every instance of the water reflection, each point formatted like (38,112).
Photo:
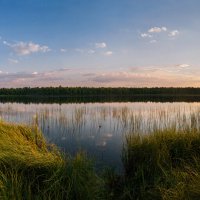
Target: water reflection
(98,128)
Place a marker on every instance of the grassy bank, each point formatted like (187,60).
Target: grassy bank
(31,169)
(163,165)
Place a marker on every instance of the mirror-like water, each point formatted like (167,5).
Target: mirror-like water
(99,128)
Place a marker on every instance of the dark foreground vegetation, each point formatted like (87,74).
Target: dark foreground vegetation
(164,165)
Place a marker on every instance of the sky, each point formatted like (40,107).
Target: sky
(100,43)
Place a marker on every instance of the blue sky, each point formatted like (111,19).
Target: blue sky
(99,43)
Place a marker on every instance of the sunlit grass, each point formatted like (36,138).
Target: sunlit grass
(32,169)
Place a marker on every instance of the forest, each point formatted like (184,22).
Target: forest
(99,92)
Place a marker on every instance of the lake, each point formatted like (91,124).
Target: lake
(99,129)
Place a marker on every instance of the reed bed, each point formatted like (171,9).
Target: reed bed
(162,165)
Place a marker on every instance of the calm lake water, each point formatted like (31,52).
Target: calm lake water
(99,129)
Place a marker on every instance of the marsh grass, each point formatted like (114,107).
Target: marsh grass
(163,165)
(32,169)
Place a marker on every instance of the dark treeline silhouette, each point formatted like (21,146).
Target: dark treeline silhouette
(85,95)
(98,92)
(61,100)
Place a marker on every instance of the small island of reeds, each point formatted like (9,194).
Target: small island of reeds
(162,165)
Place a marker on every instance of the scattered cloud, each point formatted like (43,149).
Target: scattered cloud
(153,34)
(6,43)
(85,51)
(91,51)
(88,74)
(61,70)
(128,78)
(56,71)
(146,76)
(183,65)
(108,53)
(80,50)
(173,33)
(157,78)
(26,48)
(164,28)
(63,50)
(157,29)
(145,35)
(22,79)
(100,45)
(153,41)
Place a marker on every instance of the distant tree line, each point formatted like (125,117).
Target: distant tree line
(98,92)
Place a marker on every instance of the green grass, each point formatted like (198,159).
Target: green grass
(163,165)
(32,169)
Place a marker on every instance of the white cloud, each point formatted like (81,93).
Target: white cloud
(24,48)
(35,73)
(85,51)
(6,43)
(108,53)
(164,29)
(79,50)
(100,45)
(183,65)
(91,51)
(173,33)
(157,29)
(145,35)
(153,41)
(63,50)
(154,32)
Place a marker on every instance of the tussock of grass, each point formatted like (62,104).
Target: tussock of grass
(22,145)
(163,165)
(31,169)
